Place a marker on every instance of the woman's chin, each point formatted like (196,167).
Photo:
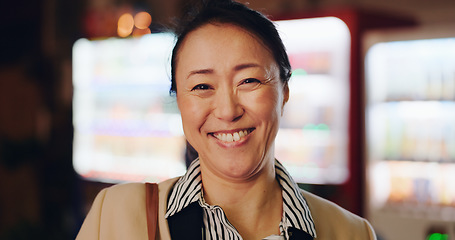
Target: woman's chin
(241,171)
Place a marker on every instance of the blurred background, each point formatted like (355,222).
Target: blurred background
(84,104)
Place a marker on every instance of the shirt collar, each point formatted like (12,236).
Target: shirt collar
(295,208)
(186,190)
(296,212)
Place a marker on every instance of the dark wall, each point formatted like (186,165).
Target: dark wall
(38,187)
(41,196)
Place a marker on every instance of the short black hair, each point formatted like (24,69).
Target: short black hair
(231,12)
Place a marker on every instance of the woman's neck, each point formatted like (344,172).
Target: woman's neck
(253,205)
(223,191)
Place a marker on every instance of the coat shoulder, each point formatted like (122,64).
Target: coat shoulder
(118,212)
(125,201)
(126,188)
(333,221)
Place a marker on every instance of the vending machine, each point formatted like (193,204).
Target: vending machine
(321,137)
(127,127)
(410,132)
(312,140)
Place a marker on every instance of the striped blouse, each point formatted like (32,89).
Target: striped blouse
(188,189)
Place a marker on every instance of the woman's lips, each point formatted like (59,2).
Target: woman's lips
(232,136)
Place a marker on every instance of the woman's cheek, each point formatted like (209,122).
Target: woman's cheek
(265,100)
(194,111)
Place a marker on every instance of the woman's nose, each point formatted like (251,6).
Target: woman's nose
(227,106)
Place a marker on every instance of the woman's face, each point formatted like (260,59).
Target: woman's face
(231,99)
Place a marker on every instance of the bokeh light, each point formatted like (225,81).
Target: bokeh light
(142,20)
(136,26)
(438,236)
(125,25)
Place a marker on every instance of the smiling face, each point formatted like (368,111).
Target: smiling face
(231,99)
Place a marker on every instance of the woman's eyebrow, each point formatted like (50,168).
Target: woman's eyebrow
(246,65)
(200,71)
(210,71)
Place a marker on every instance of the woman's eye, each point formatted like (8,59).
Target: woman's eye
(250,80)
(201,87)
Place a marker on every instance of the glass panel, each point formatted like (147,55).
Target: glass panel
(126,126)
(313,138)
(411,126)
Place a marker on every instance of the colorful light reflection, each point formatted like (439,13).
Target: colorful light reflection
(438,236)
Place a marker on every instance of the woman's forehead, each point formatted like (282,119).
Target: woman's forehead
(213,40)
(217,30)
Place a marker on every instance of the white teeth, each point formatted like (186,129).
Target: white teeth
(236,136)
(243,133)
(228,137)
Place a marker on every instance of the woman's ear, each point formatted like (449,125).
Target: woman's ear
(285,96)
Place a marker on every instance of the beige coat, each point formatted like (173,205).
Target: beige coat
(119,212)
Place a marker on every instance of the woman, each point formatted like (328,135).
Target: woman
(230,76)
